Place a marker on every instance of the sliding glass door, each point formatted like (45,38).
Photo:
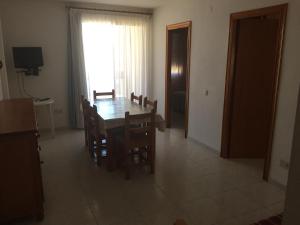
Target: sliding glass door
(116,53)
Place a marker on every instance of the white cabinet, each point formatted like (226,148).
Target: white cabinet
(4,93)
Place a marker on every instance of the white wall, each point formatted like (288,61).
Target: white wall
(42,23)
(39,23)
(208,69)
(291,212)
(4,91)
(45,24)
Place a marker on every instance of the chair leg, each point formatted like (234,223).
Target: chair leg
(127,175)
(89,140)
(152,159)
(86,137)
(91,146)
(99,156)
(100,148)
(152,170)
(127,167)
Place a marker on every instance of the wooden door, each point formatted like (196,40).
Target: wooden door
(177,71)
(3,76)
(178,64)
(254,87)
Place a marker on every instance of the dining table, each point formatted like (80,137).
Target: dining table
(111,112)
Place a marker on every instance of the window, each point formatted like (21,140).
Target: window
(116,53)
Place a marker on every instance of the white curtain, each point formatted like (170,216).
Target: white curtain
(117,52)
(77,75)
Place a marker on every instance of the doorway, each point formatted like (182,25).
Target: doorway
(177,75)
(253,71)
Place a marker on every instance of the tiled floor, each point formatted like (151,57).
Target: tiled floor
(191,182)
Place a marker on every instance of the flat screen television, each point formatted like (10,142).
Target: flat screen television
(28,57)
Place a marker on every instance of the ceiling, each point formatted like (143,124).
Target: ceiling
(133,3)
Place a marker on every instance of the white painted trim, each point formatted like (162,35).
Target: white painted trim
(204,145)
(3,73)
(277,184)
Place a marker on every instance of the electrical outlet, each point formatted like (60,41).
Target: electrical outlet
(58,111)
(284,164)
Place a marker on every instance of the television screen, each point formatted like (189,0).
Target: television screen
(28,57)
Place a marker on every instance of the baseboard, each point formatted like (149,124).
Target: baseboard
(271,181)
(204,145)
(44,129)
(277,184)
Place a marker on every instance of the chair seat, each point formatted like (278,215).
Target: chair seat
(140,140)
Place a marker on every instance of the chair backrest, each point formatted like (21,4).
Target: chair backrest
(100,94)
(82,100)
(139,130)
(93,121)
(85,104)
(82,104)
(153,104)
(136,98)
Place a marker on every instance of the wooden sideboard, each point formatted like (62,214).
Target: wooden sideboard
(21,190)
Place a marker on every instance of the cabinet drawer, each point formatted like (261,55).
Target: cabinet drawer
(20,189)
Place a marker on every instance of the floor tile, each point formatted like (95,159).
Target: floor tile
(191,182)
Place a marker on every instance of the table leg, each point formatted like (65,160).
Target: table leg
(110,147)
(112,150)
(52,120)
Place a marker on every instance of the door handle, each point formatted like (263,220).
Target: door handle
(1,64)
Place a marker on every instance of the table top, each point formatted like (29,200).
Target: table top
(46,102)
(17,115)
(112,109)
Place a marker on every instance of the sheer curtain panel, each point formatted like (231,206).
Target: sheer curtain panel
(117,52)
(77,75)
(107,51)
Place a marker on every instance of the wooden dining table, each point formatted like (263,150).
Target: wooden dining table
(112,117)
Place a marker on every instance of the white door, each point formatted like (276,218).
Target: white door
(4,94)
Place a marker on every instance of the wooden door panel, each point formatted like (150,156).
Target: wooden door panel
(253,91)
(178,67)
(178,52)
(21,183)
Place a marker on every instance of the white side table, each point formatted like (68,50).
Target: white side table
(49,104)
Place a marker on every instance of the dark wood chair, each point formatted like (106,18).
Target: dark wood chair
(85,107)
(139,99)
(100,94)
(97,140)
(138,140)
(153,104)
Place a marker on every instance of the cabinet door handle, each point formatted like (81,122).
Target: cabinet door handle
(1,64)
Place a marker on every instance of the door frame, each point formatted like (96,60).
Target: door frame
(3,70)
(281,12)
(169,28)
